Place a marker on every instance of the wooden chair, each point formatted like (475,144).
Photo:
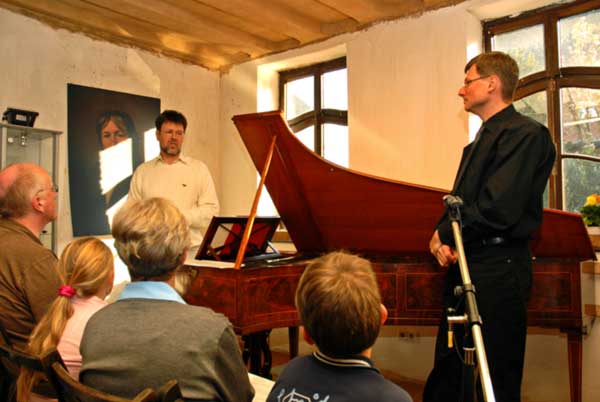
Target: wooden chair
(12,360)
(6,378)
(4,339)
(71,390)
(170,392)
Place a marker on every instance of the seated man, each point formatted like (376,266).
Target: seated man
(340,307)
(28,276)
(150,335)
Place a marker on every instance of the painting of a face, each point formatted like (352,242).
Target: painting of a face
(112,133)
(106,131)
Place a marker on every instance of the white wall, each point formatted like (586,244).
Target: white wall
(403,77)
(403,109)
(38,62)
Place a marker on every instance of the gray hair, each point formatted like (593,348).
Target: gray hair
(151,237)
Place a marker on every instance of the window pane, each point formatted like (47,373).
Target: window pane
(579,38)
(526,46)
(299,97)
(580,121)
(335,144)
(580,179)
(335,89)
(534,106)
(307,137)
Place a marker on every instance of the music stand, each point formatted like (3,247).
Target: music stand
(224,235)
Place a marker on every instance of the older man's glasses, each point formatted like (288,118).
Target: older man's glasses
(54,188)
(468,82)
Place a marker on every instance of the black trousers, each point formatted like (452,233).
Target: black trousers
(502,286)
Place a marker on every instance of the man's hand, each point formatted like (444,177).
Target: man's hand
(444,254)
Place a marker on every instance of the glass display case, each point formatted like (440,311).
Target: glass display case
(34,145)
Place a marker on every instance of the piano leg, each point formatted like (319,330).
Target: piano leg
(265,370)
(257,350)
(574,342)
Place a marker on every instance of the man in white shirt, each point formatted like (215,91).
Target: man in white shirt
(185,181)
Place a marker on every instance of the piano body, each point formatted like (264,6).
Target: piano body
(326,207)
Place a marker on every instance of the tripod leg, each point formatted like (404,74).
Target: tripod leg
(468,388)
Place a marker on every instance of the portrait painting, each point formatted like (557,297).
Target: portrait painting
(106,131)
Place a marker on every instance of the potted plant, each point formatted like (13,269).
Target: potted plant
(591,217)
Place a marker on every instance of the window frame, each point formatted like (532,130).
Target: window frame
(553,78)
(318,116)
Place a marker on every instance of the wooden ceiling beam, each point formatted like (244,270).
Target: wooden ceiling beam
(280,17)
(177,19)
(214,33)
(79,19)
(340,27)
(363,11)
(368,11)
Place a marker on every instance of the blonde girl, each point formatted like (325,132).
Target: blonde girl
(87,271)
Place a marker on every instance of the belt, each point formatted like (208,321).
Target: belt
(493,241)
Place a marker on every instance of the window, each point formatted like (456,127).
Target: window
(559,62)
(315,104)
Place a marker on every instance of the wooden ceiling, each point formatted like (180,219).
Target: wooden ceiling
(217,34)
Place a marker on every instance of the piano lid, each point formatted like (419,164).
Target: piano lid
(327,207)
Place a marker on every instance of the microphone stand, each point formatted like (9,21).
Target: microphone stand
(471,316)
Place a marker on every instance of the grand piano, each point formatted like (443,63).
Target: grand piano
(326,207)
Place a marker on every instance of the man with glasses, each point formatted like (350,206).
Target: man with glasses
(29,280)
(184,180)
(501,180)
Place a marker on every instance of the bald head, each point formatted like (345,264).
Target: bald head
(19,184)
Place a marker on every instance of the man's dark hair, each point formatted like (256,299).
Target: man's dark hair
(173,116)
(500,64)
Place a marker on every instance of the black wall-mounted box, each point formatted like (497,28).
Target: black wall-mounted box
(19,117)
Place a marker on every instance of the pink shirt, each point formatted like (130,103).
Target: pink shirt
(68,346)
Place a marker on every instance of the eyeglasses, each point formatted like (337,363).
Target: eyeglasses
(54,188)
(468,82)
(173,132)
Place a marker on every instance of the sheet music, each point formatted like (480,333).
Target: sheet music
(190,260)
(262,387)
(209,263)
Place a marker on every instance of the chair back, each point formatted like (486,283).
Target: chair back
(12,360)
(4,338)
(170,392)
(71,390)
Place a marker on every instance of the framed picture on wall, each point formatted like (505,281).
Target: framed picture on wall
(106,131)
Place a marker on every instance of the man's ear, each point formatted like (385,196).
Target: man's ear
(306,336)
(37,203)
(156,133)
(384,313)
(494,83)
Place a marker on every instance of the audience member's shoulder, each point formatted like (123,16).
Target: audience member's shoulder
(393,392)
(47,256)
(299,364)
(19,241)
(105,310)
(207,314)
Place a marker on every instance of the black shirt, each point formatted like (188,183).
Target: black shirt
(503,182)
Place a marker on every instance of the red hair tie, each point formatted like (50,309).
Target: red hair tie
(66,291)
